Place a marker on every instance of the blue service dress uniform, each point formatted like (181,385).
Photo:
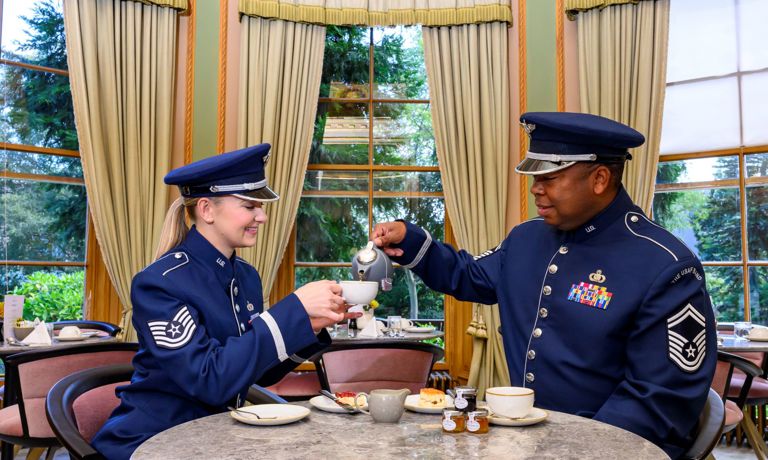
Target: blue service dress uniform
(610,321)
(204,340)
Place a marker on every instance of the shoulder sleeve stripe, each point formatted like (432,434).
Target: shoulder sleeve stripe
(626,216)
(183,262)
(277,336)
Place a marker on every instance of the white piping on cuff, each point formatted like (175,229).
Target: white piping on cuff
(277,336)
(422,251)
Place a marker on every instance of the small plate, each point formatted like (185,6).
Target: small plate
(533,417)
(326,404)
(758,339)
(71,339)
(412,404)
(283,413)
(422,329)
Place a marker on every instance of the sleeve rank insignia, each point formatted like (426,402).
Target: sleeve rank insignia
(687,338)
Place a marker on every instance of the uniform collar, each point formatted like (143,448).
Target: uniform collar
(594,226)
(201,249)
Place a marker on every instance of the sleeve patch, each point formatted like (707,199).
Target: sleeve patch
(175,333)
(686,333)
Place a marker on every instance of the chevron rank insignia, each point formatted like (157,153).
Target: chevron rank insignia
(686,334)
(175,333)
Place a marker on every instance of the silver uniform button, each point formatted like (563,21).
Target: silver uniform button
(529,377)
(543,312)
(177,255)
(634,218)
(547,290)
(242,327)
(563,250)
(236,290)
(537,332)
(237,308)
(553,269)
(531,354)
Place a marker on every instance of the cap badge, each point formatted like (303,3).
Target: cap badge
(266,158)
(528,127)
(597,277)
(249,306)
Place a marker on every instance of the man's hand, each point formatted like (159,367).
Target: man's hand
(388,233)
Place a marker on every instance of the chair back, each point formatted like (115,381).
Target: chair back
(79,404)
(109,328)
(366,366)
(30,376)
(710,427)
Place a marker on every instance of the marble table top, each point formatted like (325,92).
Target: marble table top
(731,343)
(417,436)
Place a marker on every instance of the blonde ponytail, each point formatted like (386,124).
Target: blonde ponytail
(174,227)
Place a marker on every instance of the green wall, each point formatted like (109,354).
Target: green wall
(206,80)
(541,62)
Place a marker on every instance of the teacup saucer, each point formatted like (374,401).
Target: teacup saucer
(533,417)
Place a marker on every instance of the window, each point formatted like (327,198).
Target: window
(712,180)
(372,159)
(43,210)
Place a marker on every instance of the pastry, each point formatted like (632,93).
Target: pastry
(431,397)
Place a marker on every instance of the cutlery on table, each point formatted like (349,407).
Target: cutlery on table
(252,414)
(347,407)
(12,341)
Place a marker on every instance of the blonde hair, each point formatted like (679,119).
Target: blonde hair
(175,227)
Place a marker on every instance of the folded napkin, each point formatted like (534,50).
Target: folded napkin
(370,331)
(38,336)
(759,332)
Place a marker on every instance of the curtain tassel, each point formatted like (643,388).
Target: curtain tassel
(472,328)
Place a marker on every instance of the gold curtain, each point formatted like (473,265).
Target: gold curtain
(371,13)
(281,64)
(182,5)
(467,67)
(122,92)
(622,74)
(574,7)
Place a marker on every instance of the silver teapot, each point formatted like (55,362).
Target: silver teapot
(371,264)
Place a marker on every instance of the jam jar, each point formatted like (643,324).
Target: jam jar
(454,421)
(477,421)
(466,399)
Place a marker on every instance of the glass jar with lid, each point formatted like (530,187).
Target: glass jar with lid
(477,421)
(466,398)
(454,421)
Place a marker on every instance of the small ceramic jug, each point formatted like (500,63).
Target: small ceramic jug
(385,406)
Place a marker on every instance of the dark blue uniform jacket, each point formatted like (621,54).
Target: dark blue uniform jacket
(610,321)
(203,341)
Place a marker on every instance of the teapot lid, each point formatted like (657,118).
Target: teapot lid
(367,254)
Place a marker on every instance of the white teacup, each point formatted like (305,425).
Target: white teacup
(69,332)
(405,323)
(359,292)
(512,402)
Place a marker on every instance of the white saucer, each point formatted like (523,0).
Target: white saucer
(283,413)
(75,338)
(412,404)
(758,339)
(422,329)
(533,417)
(326,404)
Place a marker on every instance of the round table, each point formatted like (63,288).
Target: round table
(342,335)
(329,435)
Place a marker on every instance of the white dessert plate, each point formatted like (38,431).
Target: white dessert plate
(278,414)
(74,338)
(422,329)
(327,405)
(533,417)
(758,339)
(412,404)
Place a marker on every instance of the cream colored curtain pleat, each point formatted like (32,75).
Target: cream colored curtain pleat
(622,74)
(280,67)
(467,67)
(181,5)
(120,57)
(380,13)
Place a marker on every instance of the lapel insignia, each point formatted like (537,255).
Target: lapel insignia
(590,294)
(686,333)
(249,306)
(597,277)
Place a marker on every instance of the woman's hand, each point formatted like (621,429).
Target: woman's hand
(324,304)
(388,233)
